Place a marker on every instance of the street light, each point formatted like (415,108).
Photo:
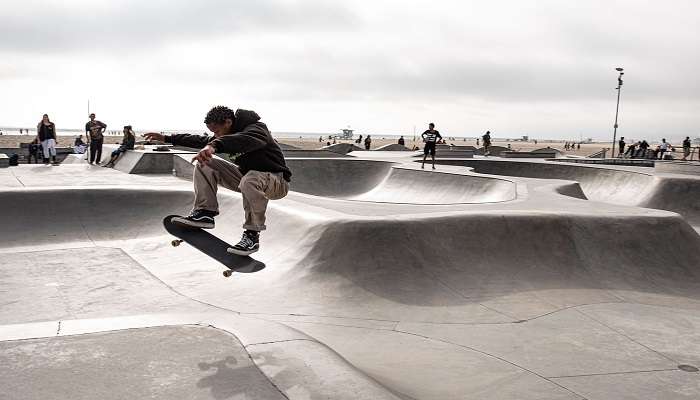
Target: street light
(617,109)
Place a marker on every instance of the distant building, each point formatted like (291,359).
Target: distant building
(347,133)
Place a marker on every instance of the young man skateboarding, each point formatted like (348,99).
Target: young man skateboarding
(430,137)
(259,173)
(487,143)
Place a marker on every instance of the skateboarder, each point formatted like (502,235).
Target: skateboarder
(259,173)
(487,143)
(430,137)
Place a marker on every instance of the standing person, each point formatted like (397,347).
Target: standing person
(128,143)
(643,147)
(621,144)
(487,142)
(402,142)
(663,147)
(46,135)
(94,131)
(686,148)
(368,142)
(430,138)
(259,173)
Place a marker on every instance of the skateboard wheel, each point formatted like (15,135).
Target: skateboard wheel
(176,242)
(227,273)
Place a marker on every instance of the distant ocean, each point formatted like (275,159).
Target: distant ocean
(287,135)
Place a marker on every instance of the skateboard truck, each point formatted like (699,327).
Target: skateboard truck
(176,242)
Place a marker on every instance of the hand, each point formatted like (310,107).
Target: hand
(154,136)
(205,155)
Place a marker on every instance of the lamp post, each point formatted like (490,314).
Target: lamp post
(617,108)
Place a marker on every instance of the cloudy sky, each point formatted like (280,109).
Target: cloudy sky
(538,67)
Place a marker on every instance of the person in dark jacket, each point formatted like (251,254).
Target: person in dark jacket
(34,148)
(258,172)
(127,144)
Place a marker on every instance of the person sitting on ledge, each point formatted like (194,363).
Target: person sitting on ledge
(127,144)
(79,146)
(258,172)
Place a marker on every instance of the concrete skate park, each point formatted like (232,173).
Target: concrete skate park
(489,278)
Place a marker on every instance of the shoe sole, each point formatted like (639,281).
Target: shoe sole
(232,250)
(192,224)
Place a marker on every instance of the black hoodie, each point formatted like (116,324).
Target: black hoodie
(251,146)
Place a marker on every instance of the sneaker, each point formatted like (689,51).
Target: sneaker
(197,219)
(249,244)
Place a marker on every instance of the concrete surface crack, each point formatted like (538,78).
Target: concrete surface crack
(495,357)
(614,373)
(660,354)
(280,341)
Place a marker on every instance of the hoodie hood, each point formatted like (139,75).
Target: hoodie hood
(244,118)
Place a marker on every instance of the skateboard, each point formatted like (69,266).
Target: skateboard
(211,246)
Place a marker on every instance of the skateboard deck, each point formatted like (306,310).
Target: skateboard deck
(211,246)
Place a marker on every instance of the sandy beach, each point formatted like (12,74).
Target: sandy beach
(312,143)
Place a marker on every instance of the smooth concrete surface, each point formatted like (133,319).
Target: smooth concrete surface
(565,289)
(678,167)
(529,154)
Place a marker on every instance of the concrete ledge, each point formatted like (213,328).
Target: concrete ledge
(146,161)
(450,154)
(608,161)
(529,154)
(678,167)
(310,153)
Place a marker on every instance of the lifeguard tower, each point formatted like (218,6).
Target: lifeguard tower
(346,133)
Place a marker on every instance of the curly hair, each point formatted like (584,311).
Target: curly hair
(219,115)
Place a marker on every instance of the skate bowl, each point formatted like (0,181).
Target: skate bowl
(616,186)
(384,182)
(489,301)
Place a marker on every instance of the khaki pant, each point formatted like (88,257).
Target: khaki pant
(255,186)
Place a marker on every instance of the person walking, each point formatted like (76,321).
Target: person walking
(663,148)
(686,148)
(621,145)
(94,131)
(260,173)
(430,138)
(368,142)
(631,149)
(46,135)
(487,142)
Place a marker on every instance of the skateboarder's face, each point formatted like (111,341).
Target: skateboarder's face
(220,129)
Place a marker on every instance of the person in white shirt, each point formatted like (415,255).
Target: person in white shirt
(663,148)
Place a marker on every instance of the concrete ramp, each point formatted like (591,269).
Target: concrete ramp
(380,181)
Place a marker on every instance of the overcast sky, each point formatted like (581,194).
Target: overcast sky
(542,67)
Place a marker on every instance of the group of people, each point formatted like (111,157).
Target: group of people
(46,139)
(640,149)
(572,146)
